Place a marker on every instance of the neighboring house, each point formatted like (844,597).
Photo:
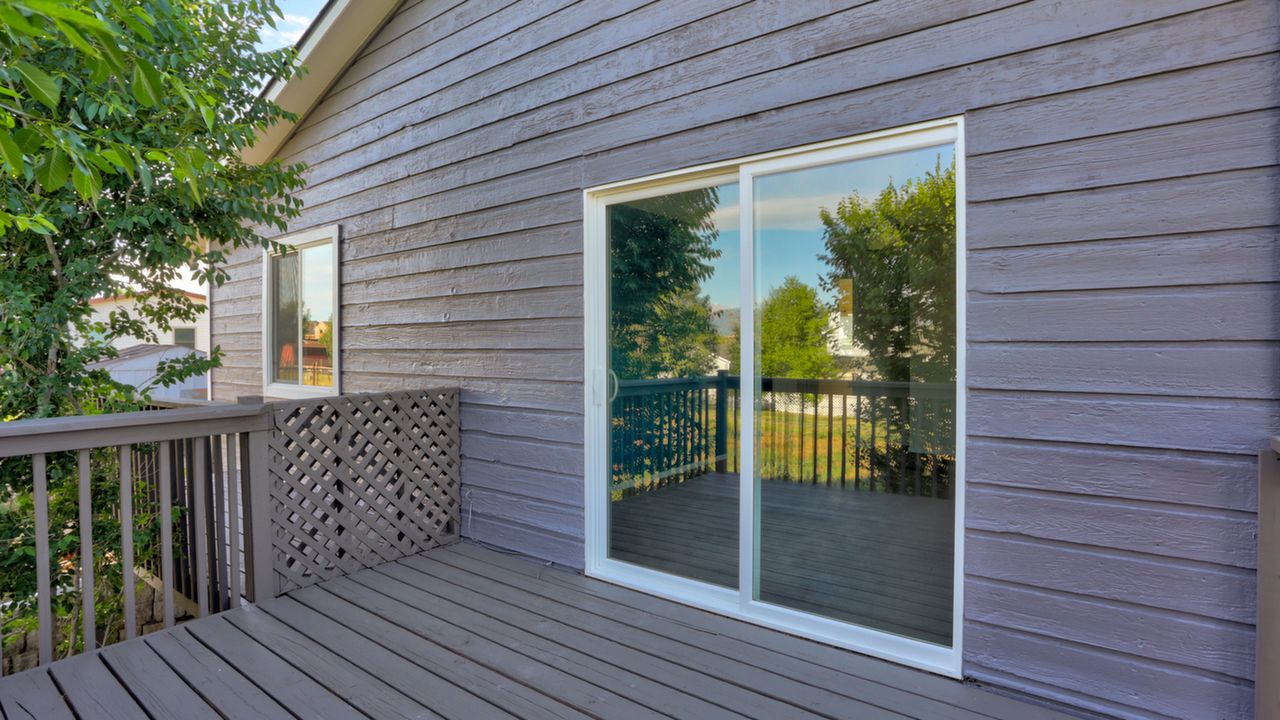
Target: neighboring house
(1064,476)
(190,335)
(137,366)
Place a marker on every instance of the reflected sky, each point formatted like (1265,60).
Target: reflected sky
(787,224)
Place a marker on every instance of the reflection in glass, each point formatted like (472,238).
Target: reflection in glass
(856,370)
(317,315)
(284,322)
(673,323)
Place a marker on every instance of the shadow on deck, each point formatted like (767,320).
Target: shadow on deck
(466,632)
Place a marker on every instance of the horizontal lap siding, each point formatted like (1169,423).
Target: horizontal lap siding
(1122,230)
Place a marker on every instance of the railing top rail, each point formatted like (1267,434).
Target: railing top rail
(43,435)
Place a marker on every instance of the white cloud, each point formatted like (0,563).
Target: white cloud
(288,31)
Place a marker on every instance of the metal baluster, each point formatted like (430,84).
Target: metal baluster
(830,436)
(816,409)
(800,443)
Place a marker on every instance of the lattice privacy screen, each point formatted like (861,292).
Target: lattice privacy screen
(359,480)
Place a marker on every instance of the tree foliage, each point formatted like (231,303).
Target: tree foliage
(121,127)
(660,251)
(899,250)
(794,333)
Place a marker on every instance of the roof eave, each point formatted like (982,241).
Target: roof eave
(327,49)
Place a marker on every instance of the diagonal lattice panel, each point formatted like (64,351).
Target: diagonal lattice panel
(358,480)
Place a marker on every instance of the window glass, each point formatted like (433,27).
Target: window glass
(316,286)
(674,314)
(855,320)
(285,316)
(184,337)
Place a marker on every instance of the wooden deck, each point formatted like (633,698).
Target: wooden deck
(466,632)
(875,559)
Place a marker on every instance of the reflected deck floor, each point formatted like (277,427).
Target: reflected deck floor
(875,559)
(465,632)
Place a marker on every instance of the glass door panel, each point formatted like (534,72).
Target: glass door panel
(672,327)
(855,372)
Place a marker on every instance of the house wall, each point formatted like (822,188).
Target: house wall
(102,309)
(1122,306)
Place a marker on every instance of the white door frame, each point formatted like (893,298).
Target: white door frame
(740,602)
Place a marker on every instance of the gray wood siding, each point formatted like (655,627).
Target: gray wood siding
(1122,249)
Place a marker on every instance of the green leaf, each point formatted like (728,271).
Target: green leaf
(147,86)
(144,171)
(11,152)
(76,39)
(209,117)
(88,183)
(52,172)
(41,85)
(29,140)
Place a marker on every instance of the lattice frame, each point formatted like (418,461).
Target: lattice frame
(359,480)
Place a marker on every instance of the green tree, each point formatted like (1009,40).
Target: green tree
(660,251)
(794,333)
(892,260)
(896,255)
(121,127)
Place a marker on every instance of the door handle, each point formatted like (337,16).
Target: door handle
(613,380)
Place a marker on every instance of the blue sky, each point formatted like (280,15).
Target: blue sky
(298,14)
(788,229)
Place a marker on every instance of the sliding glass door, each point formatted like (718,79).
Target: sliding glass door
(795,459)
(854,377)
(673,305)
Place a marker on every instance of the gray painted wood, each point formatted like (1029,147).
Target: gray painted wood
(1267,705)
(1122,267)
(155,685)
(33,696)
(91,690)
(464,632)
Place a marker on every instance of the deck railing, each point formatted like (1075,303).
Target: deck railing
(884,436)
(1267,690)
(250,500)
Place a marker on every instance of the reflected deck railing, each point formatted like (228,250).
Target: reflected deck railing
(249,500)
(894,437)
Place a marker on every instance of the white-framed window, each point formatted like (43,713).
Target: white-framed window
(300,328)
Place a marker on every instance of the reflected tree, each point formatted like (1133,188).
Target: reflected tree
(660,252)
(661,326)
(892,265)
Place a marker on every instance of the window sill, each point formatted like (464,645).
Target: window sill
(297,392)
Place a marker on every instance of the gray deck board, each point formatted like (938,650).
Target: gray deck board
(221,685)
(92,691)
(153,684)
(33,696)
(465,632)
(360,688)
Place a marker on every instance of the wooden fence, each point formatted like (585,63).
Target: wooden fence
(267,497)
(891,437)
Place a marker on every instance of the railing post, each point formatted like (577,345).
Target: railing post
(257,510)
(1267,693)
(722,420)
